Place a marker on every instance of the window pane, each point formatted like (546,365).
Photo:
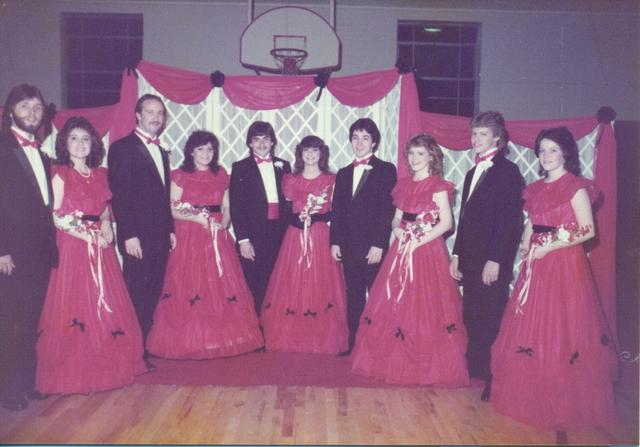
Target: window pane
(105,54)
(135,27)
(446,106)
(72,25)
(95,99)
(468,34)
(405,33)
(73,50)
(466,108)
(467,89)
(102,81)
(105,26)
(467,62)
(437,33)
(446,89)
(436,61)
(404,55)
(74,98)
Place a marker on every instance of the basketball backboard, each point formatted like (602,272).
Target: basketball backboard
(297,29)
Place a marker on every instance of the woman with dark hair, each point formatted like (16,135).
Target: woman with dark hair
(411,330)
(205,309)
(89,339)
(305,305)
(551,360)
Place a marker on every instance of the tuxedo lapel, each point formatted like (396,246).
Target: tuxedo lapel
(149,159)
(478,183)
(254,171)
(362,181)
(28,170)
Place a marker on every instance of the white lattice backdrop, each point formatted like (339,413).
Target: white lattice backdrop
(326,118)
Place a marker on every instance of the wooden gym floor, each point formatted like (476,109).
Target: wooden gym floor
(162,414)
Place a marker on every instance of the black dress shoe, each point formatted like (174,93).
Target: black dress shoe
(18,403)
(150,366)
(35,395)
(486,392)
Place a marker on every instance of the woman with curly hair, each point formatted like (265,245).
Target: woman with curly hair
(89,339)
(411,330)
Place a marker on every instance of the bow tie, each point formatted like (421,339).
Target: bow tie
(357,163)
(148,140)
(263,160)
(35,144)
(485,156)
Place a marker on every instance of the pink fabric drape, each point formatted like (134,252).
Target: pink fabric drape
(267,93)
(363,90)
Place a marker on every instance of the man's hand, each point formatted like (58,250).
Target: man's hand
(133,248)
(454,271)
(6,264)
(490,272)
(247,251)
(336,254)
(172,241)
(374,256)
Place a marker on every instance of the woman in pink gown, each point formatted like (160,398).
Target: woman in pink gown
(411,330)
(551,362)
(90,339)
(206,309)
(305,305)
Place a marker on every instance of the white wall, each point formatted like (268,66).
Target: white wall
(533,64)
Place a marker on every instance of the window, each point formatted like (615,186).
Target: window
(444,56)
(95,50)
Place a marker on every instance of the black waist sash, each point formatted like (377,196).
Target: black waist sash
(544,229)
(211,208)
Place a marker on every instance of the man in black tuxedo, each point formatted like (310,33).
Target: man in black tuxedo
(489,229)
(27,243)
(361,221)
(259,211)
(139,179)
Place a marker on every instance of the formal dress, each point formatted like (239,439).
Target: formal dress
(361,219)
(141,209)
(305,306)
(28,235)
(90,339)
(551,360)
(411,330)
(206,309)
(489,228)
(250,216)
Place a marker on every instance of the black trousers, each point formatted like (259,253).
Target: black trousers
(359,277)
(21,300)
(258,271)
(482,311)
(145,279)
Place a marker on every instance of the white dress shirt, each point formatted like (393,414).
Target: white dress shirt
(268,174)
(154,151)
(480,168)
(33,155)
(358,171)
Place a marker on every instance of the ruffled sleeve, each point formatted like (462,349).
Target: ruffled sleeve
(541,197)
(59,170)
(288,186)
(178,177)
(401,192)
(223,178)
(444,185)
(103,181)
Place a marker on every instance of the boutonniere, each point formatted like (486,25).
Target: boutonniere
(278,164)
(367,167)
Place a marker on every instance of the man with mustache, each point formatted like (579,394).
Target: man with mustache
(139,180)
(27,243)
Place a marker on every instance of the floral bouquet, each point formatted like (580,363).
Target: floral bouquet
(425,221)
(314,205)
(72,222)
(187,209)
(564,233)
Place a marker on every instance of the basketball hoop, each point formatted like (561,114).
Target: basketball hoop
(289,60)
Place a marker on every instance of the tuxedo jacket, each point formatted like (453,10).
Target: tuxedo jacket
(363,219)
(26,223)
(490,221)
(248,200)
(140,200)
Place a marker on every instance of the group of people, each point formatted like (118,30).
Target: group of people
(310,269)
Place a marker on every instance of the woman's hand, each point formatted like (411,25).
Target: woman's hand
(541,252)
(106,231)
(398,232)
